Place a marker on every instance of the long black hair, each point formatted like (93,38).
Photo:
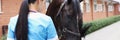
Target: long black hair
(21,30)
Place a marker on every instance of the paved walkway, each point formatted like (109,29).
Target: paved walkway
(111,32)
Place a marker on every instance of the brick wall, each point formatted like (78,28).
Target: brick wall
(116,10)
(99,15)
(11,8)
(87,17)
(92,15)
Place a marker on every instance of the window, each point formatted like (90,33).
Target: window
(95,6)
(87,5)
(103,7)
(100,7)
(81,6)
(110,8)
(0,7)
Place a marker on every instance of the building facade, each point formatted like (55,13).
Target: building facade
(98,9)
(10,8)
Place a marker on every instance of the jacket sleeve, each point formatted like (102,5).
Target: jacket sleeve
(51,31)
(10,35)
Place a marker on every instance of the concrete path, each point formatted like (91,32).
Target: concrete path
(111,32)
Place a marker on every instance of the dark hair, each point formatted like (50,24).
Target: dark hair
(21,30)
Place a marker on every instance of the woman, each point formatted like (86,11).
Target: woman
(30,24)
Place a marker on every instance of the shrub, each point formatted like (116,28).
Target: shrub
(4,37)
(98,24)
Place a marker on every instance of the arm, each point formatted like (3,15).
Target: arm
(10,35)
(51,31)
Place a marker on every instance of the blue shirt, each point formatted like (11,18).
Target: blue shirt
(41,27)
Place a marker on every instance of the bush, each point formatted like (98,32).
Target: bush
(98,24)
(4,37)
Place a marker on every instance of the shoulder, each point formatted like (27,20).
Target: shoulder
(14,18)
(39,15)
(39,18)
(12,23)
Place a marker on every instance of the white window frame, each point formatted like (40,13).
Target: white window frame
(95,5)
(110,8)
(87,5)
(104,9)
(100,7)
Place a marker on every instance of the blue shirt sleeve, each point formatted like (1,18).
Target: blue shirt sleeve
(51,31)
(10,29)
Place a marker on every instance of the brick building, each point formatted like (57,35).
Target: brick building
(8,8)
(98,9)
(92,9)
